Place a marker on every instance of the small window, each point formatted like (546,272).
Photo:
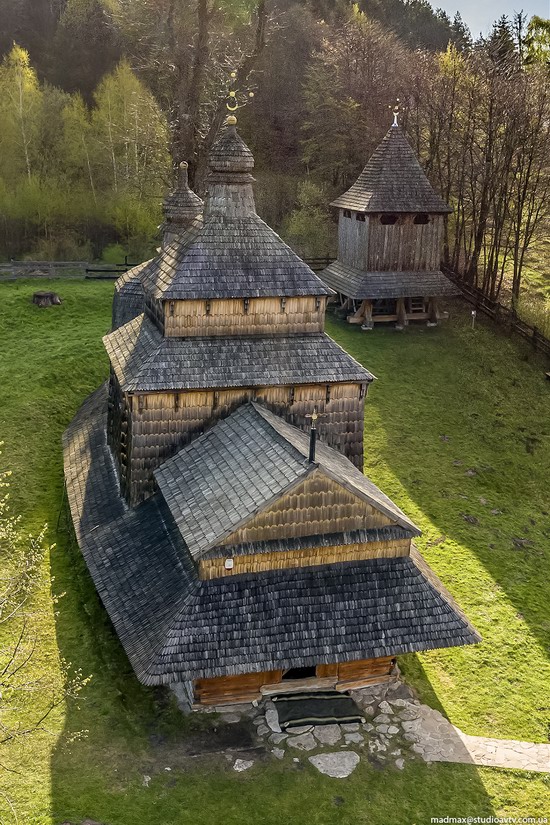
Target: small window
(388,220)
(347,213)
(422,218)
(359,217)
(299,673)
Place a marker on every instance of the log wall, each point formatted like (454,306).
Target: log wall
(316,506)
(230,689)
(371,246)
(259,562)
(255,316)
(247,687)
(162,423)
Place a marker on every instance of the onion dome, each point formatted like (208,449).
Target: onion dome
(230,153)
(181,207)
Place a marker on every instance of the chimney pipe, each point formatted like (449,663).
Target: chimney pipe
(313,436)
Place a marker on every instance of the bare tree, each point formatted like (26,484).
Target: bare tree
(191,75)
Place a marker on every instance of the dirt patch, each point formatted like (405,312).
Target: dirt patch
(219,738)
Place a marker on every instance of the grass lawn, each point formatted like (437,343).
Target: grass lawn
(457,432)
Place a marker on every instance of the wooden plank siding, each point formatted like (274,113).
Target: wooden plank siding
(353,240)
(260,562)
(162,423)
(371,246)
(404,246)
(234,316)
(251,686)
(364,672)
(317,505)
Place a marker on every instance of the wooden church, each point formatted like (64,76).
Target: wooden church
(216,482)
(390,236)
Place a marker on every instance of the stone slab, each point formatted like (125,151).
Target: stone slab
(338,765)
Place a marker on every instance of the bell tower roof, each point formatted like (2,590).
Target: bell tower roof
(393,181)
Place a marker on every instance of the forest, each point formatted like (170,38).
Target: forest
(101,99)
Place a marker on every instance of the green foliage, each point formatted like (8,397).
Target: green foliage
(308,228)
(71,178)
(114,254)
(537,41)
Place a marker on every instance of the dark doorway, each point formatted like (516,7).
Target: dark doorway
(299,673)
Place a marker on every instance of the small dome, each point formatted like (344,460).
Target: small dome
(183,204)
(230,153)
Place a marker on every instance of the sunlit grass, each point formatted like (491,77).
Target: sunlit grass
(447,401)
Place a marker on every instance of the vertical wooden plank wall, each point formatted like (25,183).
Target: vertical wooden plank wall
(404,246)
(353,241)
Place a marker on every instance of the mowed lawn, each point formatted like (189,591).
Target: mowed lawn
(457,432)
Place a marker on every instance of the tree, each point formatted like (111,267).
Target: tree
(347,92)
(225,37)
(20,98)
(537,41)
(86,46)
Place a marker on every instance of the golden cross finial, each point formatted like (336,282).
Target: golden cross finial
(314,416)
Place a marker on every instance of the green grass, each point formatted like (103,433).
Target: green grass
(486,395)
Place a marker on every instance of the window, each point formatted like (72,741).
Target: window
(360,217)
(388,220)
(347,213)
(422,218)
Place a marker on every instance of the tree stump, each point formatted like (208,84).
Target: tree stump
(46,299)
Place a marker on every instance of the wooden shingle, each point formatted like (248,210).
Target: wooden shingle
(392,181)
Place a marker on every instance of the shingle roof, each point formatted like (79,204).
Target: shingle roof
(233,254)
(341,612)
(230,153)
(240,466)
(353,283)
(240,257)
(145,361)
(392,181)
(174,627)
(129,297)
(371,534)
(182,205)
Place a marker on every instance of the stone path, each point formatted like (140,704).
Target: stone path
(397,728)
(436,740)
